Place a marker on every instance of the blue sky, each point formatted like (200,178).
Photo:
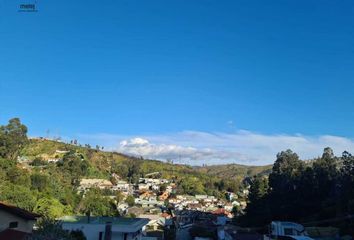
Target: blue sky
(158,70)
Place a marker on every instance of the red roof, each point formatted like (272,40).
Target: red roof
(221,211)
(18,211)
(13,235)
(165,215)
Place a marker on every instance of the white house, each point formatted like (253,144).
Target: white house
(94,183)
(100,228)
(143,186)
(14,220)
(122,186)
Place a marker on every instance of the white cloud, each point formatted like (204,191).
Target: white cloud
(142,147)
(245,147)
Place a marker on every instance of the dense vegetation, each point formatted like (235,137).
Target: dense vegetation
(235,171)
(316,192)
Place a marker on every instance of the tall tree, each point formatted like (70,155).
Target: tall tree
(286,170)
(347,182)
(257,206)
(13,137)
(94,204)
(325,170)
(284,181)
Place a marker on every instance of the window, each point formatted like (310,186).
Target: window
(100,236)
(13,224)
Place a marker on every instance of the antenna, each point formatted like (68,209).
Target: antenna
(47,132)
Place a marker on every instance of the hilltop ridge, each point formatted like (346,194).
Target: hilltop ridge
(104,160)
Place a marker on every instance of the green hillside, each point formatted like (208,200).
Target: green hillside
(104,161)
(235,171)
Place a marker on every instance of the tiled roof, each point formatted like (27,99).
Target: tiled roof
(18,211)
(221,211)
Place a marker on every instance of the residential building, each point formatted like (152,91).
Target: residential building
(86,184)
(15,222)
(100,228)
(122,186)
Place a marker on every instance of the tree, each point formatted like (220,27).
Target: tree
(49,229)
(130,200)
(17,195)
(39,181)
(18,176)
(38,161)
(133,170)
(347,182)
(284,182)
(120,169)
(325,171)
(119,196)
(49,207)
(259,188)
(348,165)
(286,169)
(74,166)
(94,204)
(191,186)
(13,137)
(163,187)
(257,210)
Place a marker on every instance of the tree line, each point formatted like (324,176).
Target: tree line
(304,191)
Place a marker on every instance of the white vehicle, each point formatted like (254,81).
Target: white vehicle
(287,231)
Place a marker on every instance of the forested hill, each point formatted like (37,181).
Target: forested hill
(104,162)
(235,171)
(43,176)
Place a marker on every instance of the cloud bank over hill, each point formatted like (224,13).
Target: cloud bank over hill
(244,147)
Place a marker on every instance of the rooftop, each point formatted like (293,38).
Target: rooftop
(119,224)
(100,220)
(18,211)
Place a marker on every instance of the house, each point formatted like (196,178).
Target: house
(15,223)
(113,228)
(148,203)
(122,186)
(143,186)
(228,207)
(230,196)
(243,204)
(236,203)
(201,197)
(147,195)
(155,221)
(94,183)
(169,189)
(222,211)
(54,160)
(164,196)
(61,151)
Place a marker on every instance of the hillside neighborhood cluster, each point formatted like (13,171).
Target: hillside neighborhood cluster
(153,199)
(150,194)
